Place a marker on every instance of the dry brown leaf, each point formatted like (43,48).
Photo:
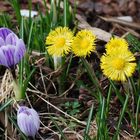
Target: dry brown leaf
(122,22)
(100,34)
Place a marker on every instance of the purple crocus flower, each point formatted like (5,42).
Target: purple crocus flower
(12,49)
(28,121)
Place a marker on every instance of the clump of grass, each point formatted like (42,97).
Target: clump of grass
(39,80)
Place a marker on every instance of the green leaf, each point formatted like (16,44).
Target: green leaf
(88,123)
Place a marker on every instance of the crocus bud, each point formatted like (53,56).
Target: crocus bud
(28,121)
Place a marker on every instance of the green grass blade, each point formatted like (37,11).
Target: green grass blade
(108,100)
(26,82)
(88,123)
(117,92)
(8,103)
(132,40)
(93,77)
(137,116)
(121,117)
(58,128)
(29,38)
(53,14)
(16,7)
(65,12)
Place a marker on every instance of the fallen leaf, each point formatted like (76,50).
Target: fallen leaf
(100,34)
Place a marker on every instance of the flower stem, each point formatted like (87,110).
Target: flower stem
(17,91)
(16,87)
(92,76)
(58,63)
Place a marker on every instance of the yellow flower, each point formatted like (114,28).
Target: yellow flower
(84,43)
(59,41)
(116,43)
(118,65)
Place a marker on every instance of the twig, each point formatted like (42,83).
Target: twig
(80,122)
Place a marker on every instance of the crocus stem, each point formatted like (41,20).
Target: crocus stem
(17,90)
(16,86)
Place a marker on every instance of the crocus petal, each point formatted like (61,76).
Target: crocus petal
(21,109)
(11,39)
(21,121)
(28,121)
(26,124)
(4,32)
(35,118)
(20,51)
(3,60)
(2,42)
(12,48)
(8,51)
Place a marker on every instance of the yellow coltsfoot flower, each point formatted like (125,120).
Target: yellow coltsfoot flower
(84,43)
(59,41)
(116,43)
(118,65)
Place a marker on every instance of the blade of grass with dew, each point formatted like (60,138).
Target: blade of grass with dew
(8,103)
(88,123)
(121,117)
(58,128)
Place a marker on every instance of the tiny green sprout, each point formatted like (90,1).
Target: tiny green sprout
(72,108)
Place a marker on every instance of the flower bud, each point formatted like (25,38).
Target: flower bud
(28,121)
